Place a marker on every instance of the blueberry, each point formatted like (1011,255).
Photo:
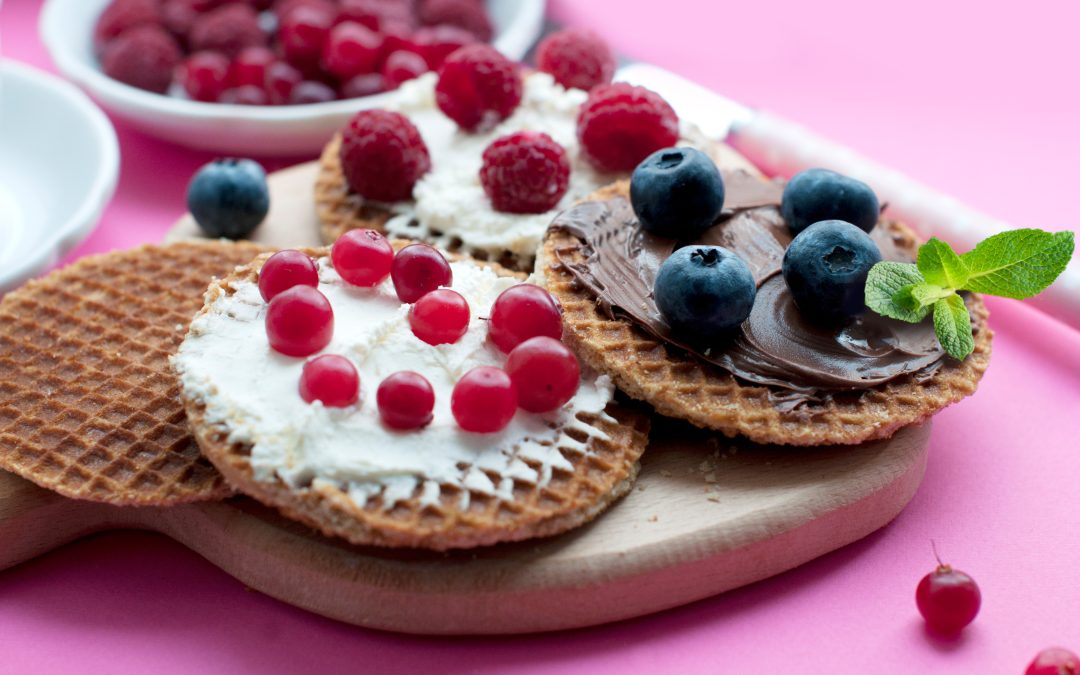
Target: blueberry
(677,193)
(229,197)
(704,292)
(825,268)
(819,194)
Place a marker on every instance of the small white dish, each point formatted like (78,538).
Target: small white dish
(66,27)
(59,163)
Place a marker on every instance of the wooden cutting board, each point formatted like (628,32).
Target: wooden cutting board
(707,515)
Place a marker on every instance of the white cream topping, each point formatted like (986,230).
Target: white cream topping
(226,362)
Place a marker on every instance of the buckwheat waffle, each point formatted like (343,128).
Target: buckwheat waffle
(88,405)
(460,518)
(679,385)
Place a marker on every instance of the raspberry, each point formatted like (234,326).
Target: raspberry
(440,317)
(383,155)
(467,14)
(478,87)
(438,42)
(249,67)
(299,321)
(310,91)
(620,125)
(302,32)
(376,13)
(227,29)
(245,95)
(178,16)
(417,270)
(576,58)
(405,400)
(121,15)
(545,374)
(521,312)
(286,269)
(144,57)
(525,172)
(205,76)
(362,85)
(330,379)
(351,49)
(362,257)
(401,66)
(281,79)
(484,400)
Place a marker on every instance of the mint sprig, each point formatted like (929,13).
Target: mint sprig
(1015,264)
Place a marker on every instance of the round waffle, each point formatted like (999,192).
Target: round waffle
(680,385)
(88,404)
(460,517)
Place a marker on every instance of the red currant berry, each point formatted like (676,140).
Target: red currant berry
(331,379)
(362,257)
(299,321)
(525,172)
(405,400)
(440,317)
(620,125)
(383,155)
(478,87)
(281,79)
(948,599)
(303,31)
(545,373)
(350,50)
(521,312)
(419,269)
(484,400)
(310,91)
(245,95)
(1054,661)
(249,67)
(205,76)
(401,66)
(468,14)
(286,269)
(362,85)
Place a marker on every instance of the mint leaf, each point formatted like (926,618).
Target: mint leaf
(1017,264)
(925,295)
(940,265)
(952,323)
(888,288)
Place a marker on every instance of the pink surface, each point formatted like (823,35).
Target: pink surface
(980,104)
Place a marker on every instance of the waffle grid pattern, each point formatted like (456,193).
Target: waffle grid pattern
(89,407)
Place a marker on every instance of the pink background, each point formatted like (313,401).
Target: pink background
(980,104)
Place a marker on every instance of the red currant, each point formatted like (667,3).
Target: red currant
(286,269)
(948,599)
(440,317)
(522,312)
(401,66)
(362,257)
(205,75)
(249,67)
(351,49)
(299,321)
(303,32)
(281,79)
(484,400)
(1054,661)
(419,269)
(310,91)
(331,379)
(245,95)
(405,400)
(545,373)
(362,85)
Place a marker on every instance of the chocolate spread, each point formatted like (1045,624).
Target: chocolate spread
(776,345)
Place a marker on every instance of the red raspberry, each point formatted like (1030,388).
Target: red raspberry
(576,58)
(440,317)
(302,32)
(478,87)
(330,379)
(281,79)
(351,49)
(178,16)
(467,14)
(438,42)
(484,400)
(362,85)
(299,321)
(362,257)
(249,67)
(405,400)
(419,269)
(383,155)
(521,312)
(376,13)
(205,76)
(620,125)
(286,269)
(227,29)
(525,172)
(144,57)
(310,91)
(401,66)
(245,95)
(545,373)
(121,15)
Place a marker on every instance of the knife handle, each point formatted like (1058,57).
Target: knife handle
(780,147)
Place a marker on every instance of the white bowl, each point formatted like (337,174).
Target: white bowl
(66,27)
(59,161)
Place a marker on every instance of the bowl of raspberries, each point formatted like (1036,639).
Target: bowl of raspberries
(265,77)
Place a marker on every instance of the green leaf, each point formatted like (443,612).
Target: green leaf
(888,288)
(1017,264)
(941,266)
(925,295)
(952,323)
